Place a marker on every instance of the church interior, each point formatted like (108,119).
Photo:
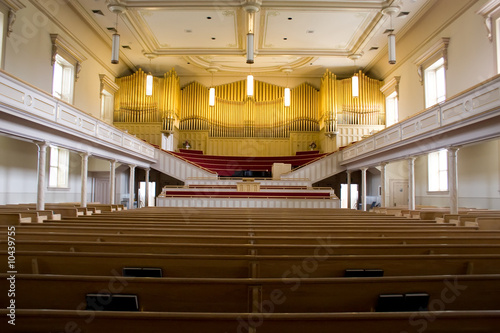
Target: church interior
(250,165)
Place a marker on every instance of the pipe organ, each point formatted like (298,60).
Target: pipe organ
(235,115)
(133,106)
(339,107)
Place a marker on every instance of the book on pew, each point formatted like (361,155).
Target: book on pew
(390,303)
(112,302)
(153,272)
(411,302)
(416,301)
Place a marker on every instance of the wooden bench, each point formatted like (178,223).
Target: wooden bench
(257,249)
(267,266)
(13,219)
(46,321)
(358,238)
(310,295)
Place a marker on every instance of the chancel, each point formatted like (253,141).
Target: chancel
(250,166)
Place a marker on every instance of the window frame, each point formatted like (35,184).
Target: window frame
(432,87)
(391,88)
(442,171)
(61,167)
(436,51)
(63,49)
(67,79)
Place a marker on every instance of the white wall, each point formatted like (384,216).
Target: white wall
(18,172)
(29,50)
(470,61)
(478,178)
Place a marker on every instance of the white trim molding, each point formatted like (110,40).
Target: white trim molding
(436,51)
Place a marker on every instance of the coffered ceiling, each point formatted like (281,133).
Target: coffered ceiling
(303,36)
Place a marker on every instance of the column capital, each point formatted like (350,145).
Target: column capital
(411,158)
(85,154)
(41,144)
(364,168)
(147,169)
(348,171)
(383,164)
(453,149)
(132,166)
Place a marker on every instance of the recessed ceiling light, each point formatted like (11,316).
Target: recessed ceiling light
(213,38)
(289,19)
(209,17)
(373,48)
(188,31)
(112,29)
(401,14)
(309,31)
(126,47)
(284,38)
(97,12)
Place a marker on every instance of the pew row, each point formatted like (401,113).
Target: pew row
(49,321)
(255,249)
(243,266)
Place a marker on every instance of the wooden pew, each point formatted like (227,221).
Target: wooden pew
(49,321)
(350,231)
(13,219)
(473,292)
(238,266)
(476,237)
(255,249)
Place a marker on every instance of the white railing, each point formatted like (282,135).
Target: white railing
(318,170)
(473,105)
(178,168)
(32,104)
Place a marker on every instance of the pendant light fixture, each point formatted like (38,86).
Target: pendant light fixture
(115,44)
(286,97)
(391,37)
(211,91)
(149,77)
(251,7)
(355,78)
(250,83)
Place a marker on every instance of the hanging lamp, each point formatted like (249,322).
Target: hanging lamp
(355,77)
(286,97)
(391,37)
(115,44)
(211,91)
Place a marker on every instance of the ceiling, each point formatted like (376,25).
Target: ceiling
(302,37)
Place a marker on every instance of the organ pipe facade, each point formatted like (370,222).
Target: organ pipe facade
(235,115)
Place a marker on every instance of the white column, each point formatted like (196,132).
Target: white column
(131,187)
(411,183)
(383,181)
(453,179)
(85,171)
(349,203)
(363,188)
(112,182)
(146,180)
(42,161)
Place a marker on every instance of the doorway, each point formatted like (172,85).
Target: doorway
(142,194)
(354,196)
(399,193)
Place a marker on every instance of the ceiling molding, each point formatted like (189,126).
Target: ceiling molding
(68,32)
(78,8)
(204,63)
